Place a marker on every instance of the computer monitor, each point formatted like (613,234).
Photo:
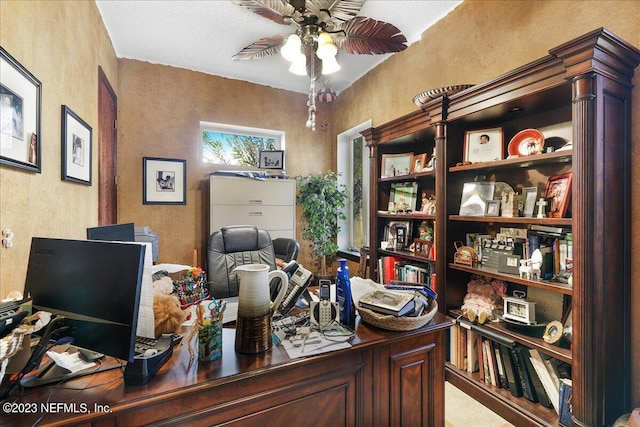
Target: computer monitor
(94,285)
(113,233)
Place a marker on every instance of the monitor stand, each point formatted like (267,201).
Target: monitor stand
(50,373)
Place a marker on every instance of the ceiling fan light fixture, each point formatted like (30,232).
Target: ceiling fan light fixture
(330,65)
(299,66)
(291,49)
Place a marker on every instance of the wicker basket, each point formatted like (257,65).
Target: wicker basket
(394,323)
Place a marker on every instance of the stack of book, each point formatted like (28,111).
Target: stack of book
(501,363)
(389,302)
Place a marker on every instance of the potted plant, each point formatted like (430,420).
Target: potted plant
(322,201)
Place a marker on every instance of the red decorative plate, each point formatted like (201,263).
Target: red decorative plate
(526,142)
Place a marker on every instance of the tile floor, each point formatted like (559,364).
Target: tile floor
(462,411)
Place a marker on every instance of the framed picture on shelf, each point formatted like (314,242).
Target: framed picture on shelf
(485,145)
(474,198)
(493,208)
(76,148)
(529,197)
(419,161)
(397,234)
(404,196)
(396,164)
(272,159)
(20,102)
(558,194)
(164,181)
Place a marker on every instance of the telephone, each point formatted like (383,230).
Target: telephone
(299,280)
(324,312)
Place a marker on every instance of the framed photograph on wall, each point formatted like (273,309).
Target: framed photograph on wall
(558,194)
(529,196)
(164,181)
(484,145)
(20,102)
(76,148)
(396,164)
(272,159)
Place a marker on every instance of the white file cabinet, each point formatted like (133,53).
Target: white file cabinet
(269,204)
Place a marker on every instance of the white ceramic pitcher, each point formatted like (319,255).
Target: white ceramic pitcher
(255,308)
(254,296)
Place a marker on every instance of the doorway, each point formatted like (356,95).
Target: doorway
(108,150)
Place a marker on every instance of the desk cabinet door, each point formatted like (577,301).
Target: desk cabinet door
(416,383)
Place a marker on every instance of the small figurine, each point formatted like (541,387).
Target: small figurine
(401,206)
(426,232)
(530,268)
(541,204)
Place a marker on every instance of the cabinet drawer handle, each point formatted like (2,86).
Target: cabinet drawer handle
(255,202)
(255,213)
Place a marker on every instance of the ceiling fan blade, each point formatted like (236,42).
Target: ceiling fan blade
(339,10)
(275,10)
(262,48)
(369,37)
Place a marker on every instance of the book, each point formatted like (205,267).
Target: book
(522,374)
(514,383)
(494,361)
(500,364)
(545,378)
(480,357)
(536,382)
(485,362)
(388,302)
(493,377)
(453,344)
(566,408)
(472,352)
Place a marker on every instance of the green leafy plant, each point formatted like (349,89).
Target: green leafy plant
(322,200)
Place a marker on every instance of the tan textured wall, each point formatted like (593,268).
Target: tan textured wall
(480,40)
(62,44)
(159,116)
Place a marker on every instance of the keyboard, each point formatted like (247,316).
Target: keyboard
(150,355)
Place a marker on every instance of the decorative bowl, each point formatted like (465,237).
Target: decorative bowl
(526,143)
(423,97)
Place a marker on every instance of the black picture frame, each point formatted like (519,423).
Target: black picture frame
(271,159)
(164,181)
(77,148)
(20,118)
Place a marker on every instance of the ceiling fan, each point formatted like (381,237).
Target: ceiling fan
(321,28)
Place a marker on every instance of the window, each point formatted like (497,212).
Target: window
(237,145)
(353,166)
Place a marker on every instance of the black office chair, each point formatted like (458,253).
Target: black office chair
(286,249)
(230,247)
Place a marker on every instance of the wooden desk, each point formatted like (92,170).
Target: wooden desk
(386,378)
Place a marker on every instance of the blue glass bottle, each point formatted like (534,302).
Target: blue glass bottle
(345,299)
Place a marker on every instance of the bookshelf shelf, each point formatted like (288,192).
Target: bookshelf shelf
(408,177)
(557,222)
(518,162)
(409,256)
(493,273)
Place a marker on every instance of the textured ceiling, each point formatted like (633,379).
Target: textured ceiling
(204,35)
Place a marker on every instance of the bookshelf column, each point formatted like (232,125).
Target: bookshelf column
(600,67)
